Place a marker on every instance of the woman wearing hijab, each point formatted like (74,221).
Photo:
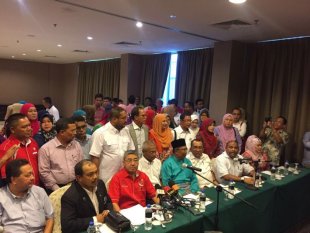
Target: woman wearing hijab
(30,111)
(203,115)
(226,132)
(194,124)
(206,135)
(47,131)
(162,136)
(253,150)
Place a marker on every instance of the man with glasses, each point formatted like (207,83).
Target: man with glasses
(81,136)
(172,169)
(129,186)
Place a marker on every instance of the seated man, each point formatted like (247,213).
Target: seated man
(227,167)
(202,161)
(86,200)
(148,163)
(24,207)
(130,186)
(172,169)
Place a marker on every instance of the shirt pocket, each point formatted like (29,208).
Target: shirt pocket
(125,143)
(112,146)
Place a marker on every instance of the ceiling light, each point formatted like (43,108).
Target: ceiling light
(12,56)
(39,50)
(139,24)
(237,1)
(89,38)
(24,54)
(172,16)
(59,45)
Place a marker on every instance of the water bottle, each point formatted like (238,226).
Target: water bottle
(231,188)
(256,183)
(286,167)
(273,173)
(202,205)
(91,227)
(148,218)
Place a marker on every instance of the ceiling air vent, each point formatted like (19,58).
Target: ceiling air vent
(50,56)
(232,24)
(80,51)
(126,43)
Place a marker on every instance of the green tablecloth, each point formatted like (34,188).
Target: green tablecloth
(280,205)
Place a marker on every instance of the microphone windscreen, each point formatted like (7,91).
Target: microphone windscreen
(157,186)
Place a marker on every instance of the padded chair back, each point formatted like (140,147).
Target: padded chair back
(55,199)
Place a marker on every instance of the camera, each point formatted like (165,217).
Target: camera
(267,119)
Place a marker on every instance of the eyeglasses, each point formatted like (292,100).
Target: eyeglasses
(131,160)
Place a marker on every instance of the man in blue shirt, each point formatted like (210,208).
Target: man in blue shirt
(172,169)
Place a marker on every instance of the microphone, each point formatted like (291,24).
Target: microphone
(174,188)
(241,160)
(184,165)
(159,190)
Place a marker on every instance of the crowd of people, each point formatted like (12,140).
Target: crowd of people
(114,155)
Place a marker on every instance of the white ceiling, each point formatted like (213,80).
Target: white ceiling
(28,25)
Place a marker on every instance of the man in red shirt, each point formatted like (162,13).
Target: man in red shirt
(130,186)
(19,145)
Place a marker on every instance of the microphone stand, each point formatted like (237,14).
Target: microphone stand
(218,190)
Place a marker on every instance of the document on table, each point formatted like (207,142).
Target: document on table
(136,214)
(196,197)
(105,229)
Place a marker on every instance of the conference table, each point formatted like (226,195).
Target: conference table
(279,205)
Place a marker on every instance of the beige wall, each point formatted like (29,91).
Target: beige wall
(31,81)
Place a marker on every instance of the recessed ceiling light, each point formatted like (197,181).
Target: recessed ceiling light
(39,50)
(139,24)
(89,38)
(237,1)
(24,54)
(12,56)
(59,45)
(172,16)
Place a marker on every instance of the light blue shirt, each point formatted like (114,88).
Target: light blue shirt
(24,214)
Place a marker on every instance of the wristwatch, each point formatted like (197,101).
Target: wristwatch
(242,178)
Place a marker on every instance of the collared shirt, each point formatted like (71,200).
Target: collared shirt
(54,112)
(127,192)
(275,149)
(225,165)
(152,169)
(188,135)
(57,162)
(205,164)
(24,214)
(172,170)
(109,145)
(140,137)
(93,198)
(99,112)
(85,144)
(28,151)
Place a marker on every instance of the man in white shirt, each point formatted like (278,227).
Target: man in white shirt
(109,144)
(139,132)
(47,103)
(149,164)
(183,131)
(202,161)
(227,166)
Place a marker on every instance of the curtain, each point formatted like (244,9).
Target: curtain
(155,70)
(278,74)
(98,77)
(194,70)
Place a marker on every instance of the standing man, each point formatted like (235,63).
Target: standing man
(227,167)
(24,207)
(130,186)
(274,139)
(202,161)
(139,132)
(149,164)
(19,145)
(58,156)
(81,136)
(99,110)
(199,105)
(172,169)
(109,144)
(183,130)
(86,200)
(47,103)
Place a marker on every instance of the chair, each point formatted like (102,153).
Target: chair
(55,199)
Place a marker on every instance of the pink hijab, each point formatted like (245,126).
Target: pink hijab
(35,124)
(250,147)
(226,134)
